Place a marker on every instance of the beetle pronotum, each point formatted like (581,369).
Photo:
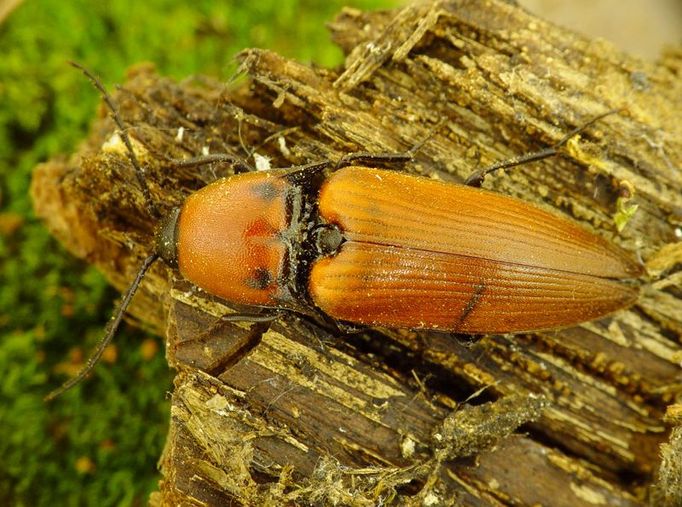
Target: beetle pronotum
(382,248)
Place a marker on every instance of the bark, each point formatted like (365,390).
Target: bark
(303,413)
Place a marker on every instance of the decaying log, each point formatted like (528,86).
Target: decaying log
(308,414)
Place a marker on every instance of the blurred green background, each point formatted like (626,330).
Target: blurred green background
(99,443)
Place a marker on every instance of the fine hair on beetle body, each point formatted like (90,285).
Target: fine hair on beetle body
(364,246)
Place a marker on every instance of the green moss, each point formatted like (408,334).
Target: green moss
(99,444)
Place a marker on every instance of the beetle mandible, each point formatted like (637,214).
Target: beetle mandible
(377,247)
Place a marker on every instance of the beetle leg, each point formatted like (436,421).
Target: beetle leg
(348,328)
(365,158)
(256,318)
(265,316)
(261,323)
(254,338)
(385,160)
(476,178)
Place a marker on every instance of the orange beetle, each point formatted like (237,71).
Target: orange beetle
(382,248)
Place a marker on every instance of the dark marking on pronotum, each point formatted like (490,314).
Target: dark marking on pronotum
(266,191)
(261,279)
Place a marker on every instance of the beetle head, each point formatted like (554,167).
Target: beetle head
(166,240)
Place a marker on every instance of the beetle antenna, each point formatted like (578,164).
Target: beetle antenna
(139,172)
(109,334)
(476,178)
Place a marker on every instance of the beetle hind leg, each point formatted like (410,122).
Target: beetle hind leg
(476,178)
(379,160)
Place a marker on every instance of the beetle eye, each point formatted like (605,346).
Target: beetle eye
(261,279)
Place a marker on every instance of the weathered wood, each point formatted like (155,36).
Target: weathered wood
(309,415)
(667,492)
